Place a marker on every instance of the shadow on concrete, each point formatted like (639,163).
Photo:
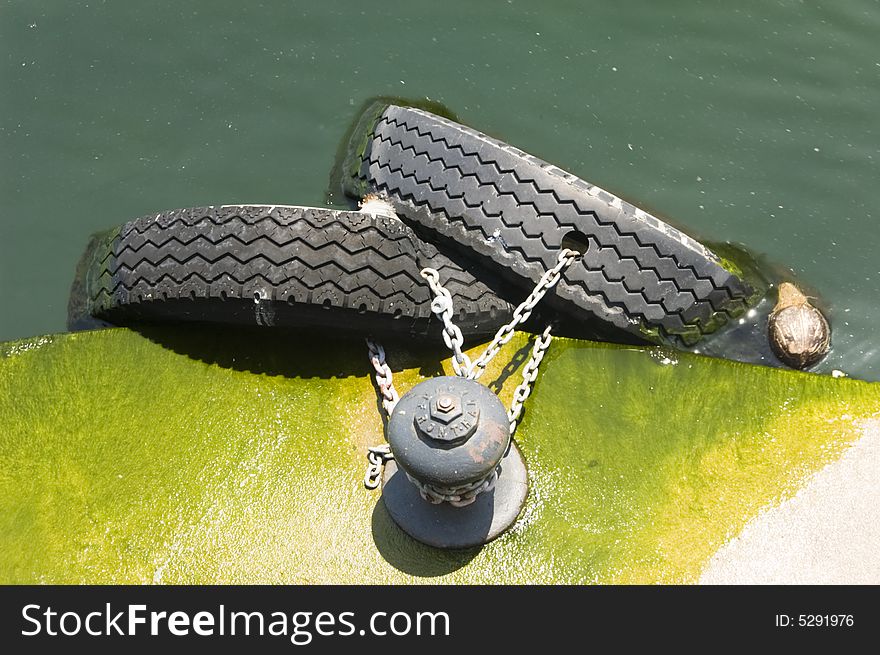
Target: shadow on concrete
(293,353)
(410,556)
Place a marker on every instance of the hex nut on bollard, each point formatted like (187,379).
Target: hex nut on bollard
(447,417)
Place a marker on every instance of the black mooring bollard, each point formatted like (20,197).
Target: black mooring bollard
(456,480)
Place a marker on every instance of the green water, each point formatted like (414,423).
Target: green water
(752,122)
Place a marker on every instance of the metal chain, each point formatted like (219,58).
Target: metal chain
(521,314)
(442,306)
(384,376)
(529,374)
(453,338)
(455,496)
(377,456)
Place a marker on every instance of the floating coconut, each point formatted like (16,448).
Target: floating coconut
(799,334)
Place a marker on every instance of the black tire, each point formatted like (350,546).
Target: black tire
(278,266)
(514,212)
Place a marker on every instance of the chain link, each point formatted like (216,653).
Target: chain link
(442,306)
(521,314)
(455,496)
(384,376)
(377,456)
(529,374)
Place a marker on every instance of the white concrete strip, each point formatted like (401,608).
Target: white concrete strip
(829,533)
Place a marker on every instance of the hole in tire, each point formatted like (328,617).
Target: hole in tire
(398,313)
(577,241)
(327,303)
(362,308)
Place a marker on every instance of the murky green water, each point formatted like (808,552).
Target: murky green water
(754,123)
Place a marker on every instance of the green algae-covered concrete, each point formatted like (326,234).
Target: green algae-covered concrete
(198,456)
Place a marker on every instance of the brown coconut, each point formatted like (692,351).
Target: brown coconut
(799,334)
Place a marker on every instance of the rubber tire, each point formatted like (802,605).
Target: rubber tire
(276,265)
(514,212)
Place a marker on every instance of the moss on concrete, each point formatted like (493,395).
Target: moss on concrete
(187,456)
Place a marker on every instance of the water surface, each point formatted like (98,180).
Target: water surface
(753,123)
